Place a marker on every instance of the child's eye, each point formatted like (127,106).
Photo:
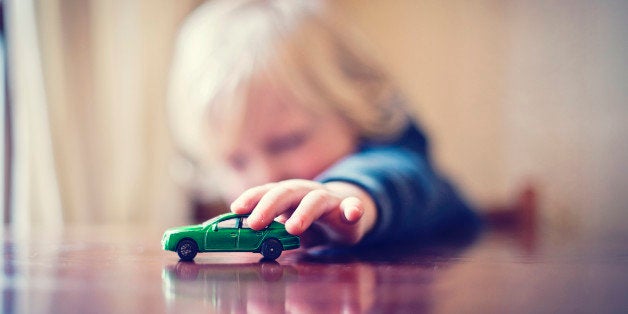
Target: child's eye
(237,162)
(287,142)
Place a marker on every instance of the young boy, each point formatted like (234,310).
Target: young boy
(304,127)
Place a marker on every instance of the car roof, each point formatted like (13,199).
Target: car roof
(226,216)
(222,217)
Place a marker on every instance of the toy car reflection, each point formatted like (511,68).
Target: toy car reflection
(228,233)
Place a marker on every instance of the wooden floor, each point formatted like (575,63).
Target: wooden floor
(109,269)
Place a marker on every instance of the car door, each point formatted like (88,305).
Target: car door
(249,239)
(222,237)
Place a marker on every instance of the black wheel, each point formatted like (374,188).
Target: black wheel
(271,249)
(187,249)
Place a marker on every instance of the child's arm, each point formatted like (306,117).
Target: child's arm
(343,211)
(413,202)
(398,196)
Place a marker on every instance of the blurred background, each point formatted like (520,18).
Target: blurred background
(518,97)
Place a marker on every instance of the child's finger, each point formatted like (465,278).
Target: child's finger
(277,200)
(245,203)
(313,205)
(352,209)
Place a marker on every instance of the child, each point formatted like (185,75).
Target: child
(304,126)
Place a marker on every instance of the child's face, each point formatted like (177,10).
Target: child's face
(281,140)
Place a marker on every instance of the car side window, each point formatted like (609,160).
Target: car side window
(229,223)
(245,223)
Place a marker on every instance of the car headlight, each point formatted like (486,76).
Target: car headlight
(164,240)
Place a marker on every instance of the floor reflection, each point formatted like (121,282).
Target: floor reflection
(258,287)
(394,279)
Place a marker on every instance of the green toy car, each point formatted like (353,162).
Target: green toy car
(228,233)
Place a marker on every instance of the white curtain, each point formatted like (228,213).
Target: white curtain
(35,190)
(88,82)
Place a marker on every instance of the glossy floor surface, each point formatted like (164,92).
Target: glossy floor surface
(123,270)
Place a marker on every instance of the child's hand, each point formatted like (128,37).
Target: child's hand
(344,212)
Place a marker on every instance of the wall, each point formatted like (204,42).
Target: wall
(518,92)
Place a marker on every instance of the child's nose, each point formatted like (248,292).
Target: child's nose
(272,170)
(278,172)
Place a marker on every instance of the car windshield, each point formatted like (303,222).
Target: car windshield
(211,221)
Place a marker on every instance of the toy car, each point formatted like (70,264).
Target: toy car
(228,233)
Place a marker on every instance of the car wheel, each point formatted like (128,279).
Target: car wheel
(271,249)
(187,249)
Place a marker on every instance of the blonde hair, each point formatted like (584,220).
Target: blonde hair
(326,66)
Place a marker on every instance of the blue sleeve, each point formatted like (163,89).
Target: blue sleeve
(412,200)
